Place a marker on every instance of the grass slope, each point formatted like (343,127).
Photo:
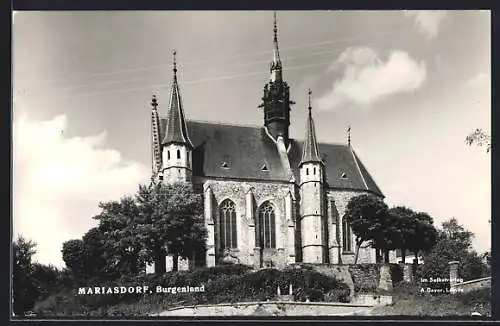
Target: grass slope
(408,302)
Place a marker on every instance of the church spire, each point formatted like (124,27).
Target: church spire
(176,129)
(276,69)
(310,152)
(155,141)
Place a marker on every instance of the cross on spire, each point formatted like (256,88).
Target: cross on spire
(154,102)
(349,135)
(175,61)
(309,93)
(275,29)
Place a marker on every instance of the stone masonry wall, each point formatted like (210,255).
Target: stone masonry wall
(262,192)
(340,199)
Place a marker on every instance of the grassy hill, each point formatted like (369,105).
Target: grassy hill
(408,302)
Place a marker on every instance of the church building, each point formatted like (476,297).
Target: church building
(270,200)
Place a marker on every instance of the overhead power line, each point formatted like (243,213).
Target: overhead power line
(222,59)
(124,81)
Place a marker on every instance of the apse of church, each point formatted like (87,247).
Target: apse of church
(284,203)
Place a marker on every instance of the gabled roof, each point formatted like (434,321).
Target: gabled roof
(310,151)
(247,152)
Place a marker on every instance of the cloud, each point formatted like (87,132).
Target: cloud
(427,21)
(367,78)
(59,181)
(480,80)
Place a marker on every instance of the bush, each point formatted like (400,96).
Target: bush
(365,277)
(337,295)
(222,284)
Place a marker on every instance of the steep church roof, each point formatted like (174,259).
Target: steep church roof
(176,125)
(310,151)
(247,152)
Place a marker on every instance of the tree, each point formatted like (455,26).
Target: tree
(170,222)
(402,217)
(367,216)
(73,254)
(422,236)
(480,138)
(25,292)
(454,243)
(118,232)
(387,236)
(46,279)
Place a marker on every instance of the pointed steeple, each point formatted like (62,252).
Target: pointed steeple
(276,71)
(155,134)
(176,129)
(310,152)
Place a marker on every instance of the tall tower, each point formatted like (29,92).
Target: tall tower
(176,145)
(311,193)
(276,100)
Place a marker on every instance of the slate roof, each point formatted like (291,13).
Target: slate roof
(310,151)
(233,151)
(176,125)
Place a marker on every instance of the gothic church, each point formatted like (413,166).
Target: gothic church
(270,200)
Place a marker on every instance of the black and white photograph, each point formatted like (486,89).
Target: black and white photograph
(251,163)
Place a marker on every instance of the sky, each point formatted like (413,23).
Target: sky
(411,84)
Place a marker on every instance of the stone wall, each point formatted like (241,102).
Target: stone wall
(361,278)
(261,192)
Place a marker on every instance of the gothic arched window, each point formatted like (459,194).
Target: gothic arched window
(346,236)
(168,155)
(227,214)
(267,226)
(178,153)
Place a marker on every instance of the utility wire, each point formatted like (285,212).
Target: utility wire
(224,59)
(329,51)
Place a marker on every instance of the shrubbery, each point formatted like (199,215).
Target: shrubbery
(222,284)
(365,277)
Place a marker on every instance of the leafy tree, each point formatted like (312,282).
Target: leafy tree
(402,217)
(454,243)
(480,138)
(46,279)
(111,249)
(422,236)
(73,253)
(170,222)
(25,291)
(367,216)
(118,234)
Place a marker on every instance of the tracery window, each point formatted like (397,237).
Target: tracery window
(267,226)
(227,214)
(346,236)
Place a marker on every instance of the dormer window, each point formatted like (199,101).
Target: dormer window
(264,168)
(343,175)
(225,165)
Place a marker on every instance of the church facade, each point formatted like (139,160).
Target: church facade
(270,200)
